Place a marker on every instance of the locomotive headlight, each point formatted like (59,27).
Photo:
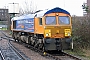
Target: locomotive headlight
(47,34)
(67,32)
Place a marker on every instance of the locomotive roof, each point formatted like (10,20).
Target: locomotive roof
(57,9)
(29,16)
(54,10)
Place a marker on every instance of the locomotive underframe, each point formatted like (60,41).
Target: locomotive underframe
(38,41)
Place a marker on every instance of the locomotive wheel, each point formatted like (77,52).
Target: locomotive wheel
(27,39)
(32,41)
(41,46)
(36,44)
(14,36)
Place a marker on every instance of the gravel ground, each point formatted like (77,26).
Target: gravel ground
(31,54)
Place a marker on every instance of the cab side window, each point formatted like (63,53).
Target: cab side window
(40,21)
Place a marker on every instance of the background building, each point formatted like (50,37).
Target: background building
(4,18)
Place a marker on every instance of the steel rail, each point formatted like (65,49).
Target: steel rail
(19,54)
(2,57)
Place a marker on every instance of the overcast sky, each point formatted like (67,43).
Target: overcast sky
(73,6)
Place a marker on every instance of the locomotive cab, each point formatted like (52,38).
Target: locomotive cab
(57,31)
(57,26)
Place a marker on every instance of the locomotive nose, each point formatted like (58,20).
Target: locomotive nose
(57,32)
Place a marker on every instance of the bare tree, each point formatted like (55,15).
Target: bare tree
(28,7)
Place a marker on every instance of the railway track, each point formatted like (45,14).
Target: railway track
(1,55)
(18,53)
(65,56)
(53,57)
(10,52)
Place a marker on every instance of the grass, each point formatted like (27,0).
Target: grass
(3,28)
(85,54)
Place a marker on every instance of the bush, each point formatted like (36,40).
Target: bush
(80,32)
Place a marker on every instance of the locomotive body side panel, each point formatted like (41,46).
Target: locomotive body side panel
(26,25)
(29,25)
(39,28)
(19,25)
